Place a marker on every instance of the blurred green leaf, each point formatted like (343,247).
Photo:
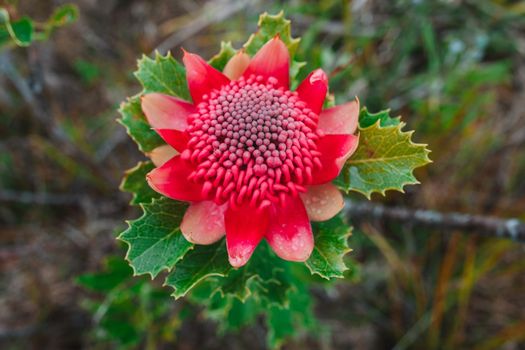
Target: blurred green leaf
(285,323)
(155,241)
(63,15)
(21,31)
(88,71)
(115,272)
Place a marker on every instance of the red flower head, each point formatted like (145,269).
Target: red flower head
(256,160)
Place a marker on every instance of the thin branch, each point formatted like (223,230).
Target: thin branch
(487,226)
(41,198)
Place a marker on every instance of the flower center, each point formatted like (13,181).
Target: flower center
(251,141)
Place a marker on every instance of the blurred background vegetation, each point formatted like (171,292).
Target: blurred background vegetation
(455,71)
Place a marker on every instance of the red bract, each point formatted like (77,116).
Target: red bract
(256,160)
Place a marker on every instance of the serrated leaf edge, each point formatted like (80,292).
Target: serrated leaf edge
(121,122)
(294,42)
(163,268)
(125,177)
(409,134)
(343,254)
(174,294)
(365,110)
(157,59)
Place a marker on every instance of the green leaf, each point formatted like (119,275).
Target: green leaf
(116,271)
(219,60)
(163,74)
(155,240)
(331,245)
(384,160)
(241,314)
(367,119)
(285,323)
(137,127)
(63,15)
(88,71)
(275,291)
(295,68)
(280,325)
(134,182)
(21,31)
(261,274)
(198,264)
(269,27)
(119,327)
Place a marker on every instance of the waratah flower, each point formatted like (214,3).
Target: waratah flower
(255,160)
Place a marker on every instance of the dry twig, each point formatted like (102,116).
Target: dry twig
(487,226)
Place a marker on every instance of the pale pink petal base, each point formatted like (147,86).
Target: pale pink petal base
(335,150)
(341,119)
(236,66)
(322,202)
(203,222)
(290,233)
(162,154)
(166,112)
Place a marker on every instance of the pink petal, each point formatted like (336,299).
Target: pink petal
(203,222)
(341,119)
(236,66)
(322,202)
(290,233)
(245,227)
(313,89)
(335,150)
(175,138)
(171,180)
(162,154)
(202,78)
(272,60)
(166,112)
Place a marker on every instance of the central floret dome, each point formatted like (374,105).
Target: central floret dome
(252,141)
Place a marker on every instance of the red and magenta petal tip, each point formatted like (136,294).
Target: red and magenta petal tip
(313,89)
(341,119)
(245,227)
(202,78)
(171,180)
(272,60)
(290,233)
